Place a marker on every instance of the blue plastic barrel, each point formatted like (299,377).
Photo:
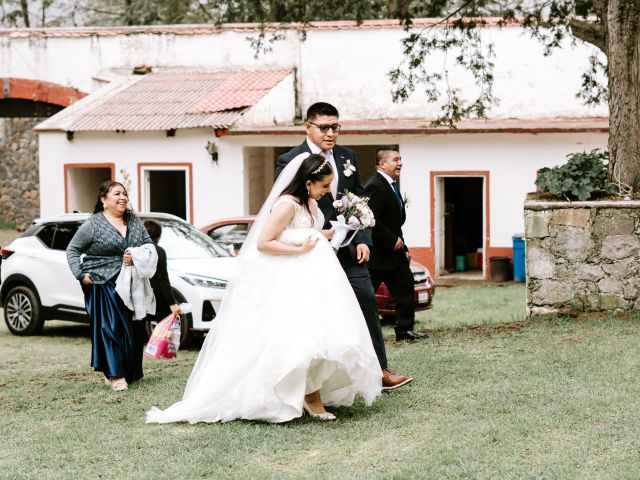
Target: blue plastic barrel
(460,263)
(519,267)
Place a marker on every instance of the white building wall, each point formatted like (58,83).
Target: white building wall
(355,79)
(347,67)
(54,152)
(73,60)
(217,188)
(511,159)
(276,107)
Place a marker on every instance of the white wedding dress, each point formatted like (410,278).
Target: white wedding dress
(290,325)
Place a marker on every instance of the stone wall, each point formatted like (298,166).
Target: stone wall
(19,182)
(582,256)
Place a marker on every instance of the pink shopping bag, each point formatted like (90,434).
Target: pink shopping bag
(165,339)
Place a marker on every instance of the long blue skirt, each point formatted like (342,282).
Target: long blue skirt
(117,341)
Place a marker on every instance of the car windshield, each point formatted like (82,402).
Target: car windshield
(181,240)
(233,234)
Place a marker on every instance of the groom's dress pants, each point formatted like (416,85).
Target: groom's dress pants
(358,275)
(399,281)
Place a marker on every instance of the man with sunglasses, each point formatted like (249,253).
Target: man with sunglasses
(322,129)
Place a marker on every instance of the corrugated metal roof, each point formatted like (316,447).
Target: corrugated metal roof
(169,100)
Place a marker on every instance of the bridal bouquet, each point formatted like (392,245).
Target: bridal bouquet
(354,215)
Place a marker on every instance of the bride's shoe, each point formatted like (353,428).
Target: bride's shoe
(320,416)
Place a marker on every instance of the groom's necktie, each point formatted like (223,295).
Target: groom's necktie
(396,190)
(328,154)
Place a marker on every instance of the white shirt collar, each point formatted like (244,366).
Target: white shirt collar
(314,148)
(386,177)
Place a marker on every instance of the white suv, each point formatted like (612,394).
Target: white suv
(36,283)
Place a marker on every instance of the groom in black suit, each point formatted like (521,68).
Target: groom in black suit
(389,261)
(322,132)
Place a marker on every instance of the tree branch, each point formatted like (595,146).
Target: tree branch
(590,32)
(100,11)
(600,7)
(25,12)
(446,19)
(206,12)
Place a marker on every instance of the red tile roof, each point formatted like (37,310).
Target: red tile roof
(169,100)
(423,126)
(240,89)
(212,29)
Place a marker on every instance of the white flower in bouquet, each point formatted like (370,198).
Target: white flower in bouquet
(354,215)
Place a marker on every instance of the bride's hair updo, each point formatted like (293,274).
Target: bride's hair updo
(314,168)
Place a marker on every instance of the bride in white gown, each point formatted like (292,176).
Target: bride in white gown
(290,333)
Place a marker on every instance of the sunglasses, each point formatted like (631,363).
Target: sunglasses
(325,128)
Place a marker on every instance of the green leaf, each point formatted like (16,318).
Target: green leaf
(583,177)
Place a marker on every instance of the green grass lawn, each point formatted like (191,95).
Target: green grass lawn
(552,399)
(462,306)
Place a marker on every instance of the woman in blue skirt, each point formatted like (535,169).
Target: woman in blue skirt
(117,341)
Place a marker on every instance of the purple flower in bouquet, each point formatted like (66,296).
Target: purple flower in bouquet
(353,206)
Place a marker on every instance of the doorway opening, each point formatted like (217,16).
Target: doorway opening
(460,228)
(81,183)
(167,189)
(259,170)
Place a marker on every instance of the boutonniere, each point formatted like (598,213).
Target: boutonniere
(348,169)
(405,201)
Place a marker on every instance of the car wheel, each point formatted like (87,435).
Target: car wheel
(22,312)
(186,335)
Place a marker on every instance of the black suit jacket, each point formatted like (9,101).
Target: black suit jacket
(388,228)
(161,286)
(352,183)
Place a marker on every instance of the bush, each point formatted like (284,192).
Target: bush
(583,177)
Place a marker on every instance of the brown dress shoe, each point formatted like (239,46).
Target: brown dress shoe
(391,379)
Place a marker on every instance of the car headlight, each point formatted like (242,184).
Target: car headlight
(200,281)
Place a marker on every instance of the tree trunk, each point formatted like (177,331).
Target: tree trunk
(398,9)
(128,13)
(25,12)
(277,11)
(623,40)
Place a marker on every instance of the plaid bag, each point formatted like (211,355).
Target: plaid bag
(165,339)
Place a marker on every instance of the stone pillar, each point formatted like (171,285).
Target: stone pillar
(582,256)
(19,183)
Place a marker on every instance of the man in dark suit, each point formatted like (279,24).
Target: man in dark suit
(389,262)
(322,132)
